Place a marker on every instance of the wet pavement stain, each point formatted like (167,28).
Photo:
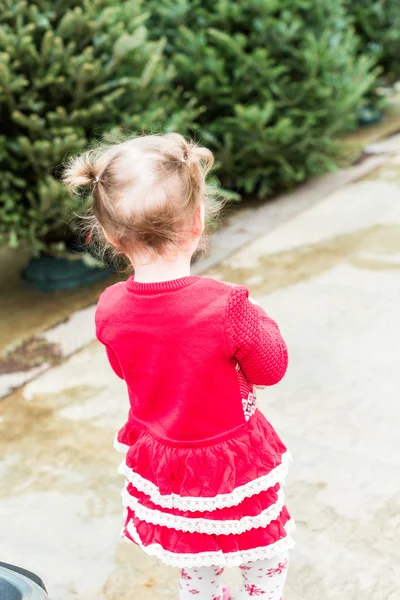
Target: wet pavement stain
(30,354)
(371,248)
(41,449)
(389,172)
(128,580)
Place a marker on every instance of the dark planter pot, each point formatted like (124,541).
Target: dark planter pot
(369,115)
(49,273)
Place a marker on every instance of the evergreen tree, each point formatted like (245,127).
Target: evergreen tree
(71,71)
(267,84)
(378,25)
(277,81)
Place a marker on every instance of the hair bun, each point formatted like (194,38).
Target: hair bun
(79,172)
(202,156)
(88,168)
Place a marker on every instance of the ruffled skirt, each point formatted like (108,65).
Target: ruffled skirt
(220,505)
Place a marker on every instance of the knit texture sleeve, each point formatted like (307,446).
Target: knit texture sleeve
(255,339)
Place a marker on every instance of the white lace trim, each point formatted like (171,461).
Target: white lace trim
(194,503)
(122,448)
(201,525)
(216,559)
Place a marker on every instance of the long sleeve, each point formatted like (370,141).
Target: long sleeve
(114,362)
(255,340)
(112,357)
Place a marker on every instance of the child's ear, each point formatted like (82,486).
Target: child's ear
(199,220)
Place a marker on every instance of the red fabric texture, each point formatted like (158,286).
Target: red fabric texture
(256,342)
(190,352)
(177,344)
(207,470)
(181,542)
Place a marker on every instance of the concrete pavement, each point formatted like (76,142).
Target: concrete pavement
(331,277)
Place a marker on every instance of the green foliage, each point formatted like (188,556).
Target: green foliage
(267,84)
(276,81)
(70,72)
(378,25)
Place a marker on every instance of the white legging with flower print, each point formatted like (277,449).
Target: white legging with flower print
(263,579)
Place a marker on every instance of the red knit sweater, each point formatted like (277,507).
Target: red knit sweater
(187,350)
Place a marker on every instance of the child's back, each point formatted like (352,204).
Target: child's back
(174,344)
(203,466)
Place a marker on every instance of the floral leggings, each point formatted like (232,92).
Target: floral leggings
(262,579)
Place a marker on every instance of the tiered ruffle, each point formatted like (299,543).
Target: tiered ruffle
(220,504)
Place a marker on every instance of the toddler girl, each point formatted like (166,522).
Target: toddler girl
(203,467)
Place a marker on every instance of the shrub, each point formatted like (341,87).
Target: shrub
(378,26)
(277,80)
(71,71)
(267,84)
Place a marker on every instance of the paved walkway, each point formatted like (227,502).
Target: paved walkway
(330,276)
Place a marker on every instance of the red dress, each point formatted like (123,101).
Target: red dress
(203,467)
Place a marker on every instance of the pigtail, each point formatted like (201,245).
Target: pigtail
(204,158)
(80,172)
(86,169)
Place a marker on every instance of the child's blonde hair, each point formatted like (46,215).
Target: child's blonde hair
(145,191)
